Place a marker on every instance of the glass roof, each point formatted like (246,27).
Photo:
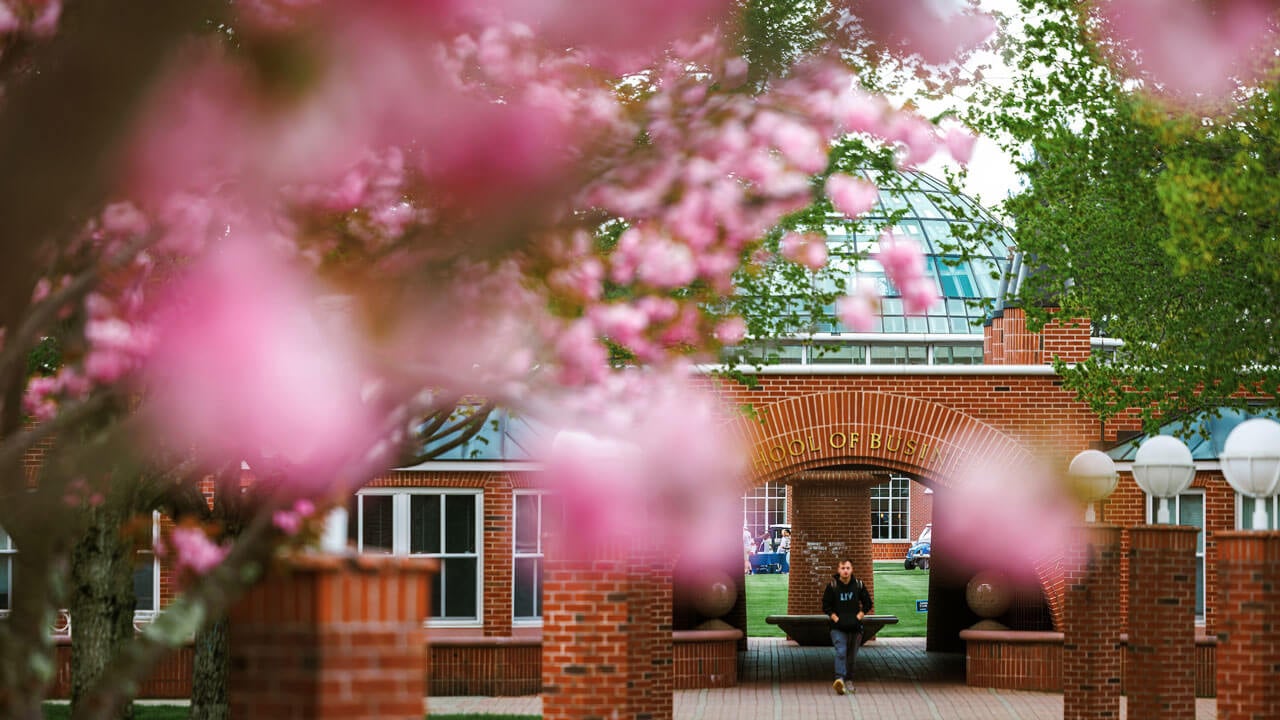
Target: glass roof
(930,213)
(1207,434)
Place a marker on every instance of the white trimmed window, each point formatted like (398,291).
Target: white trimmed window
(891,510)
(764,507)
(437,523)
(534,515)
(1245,507)
(146,577)
(1187,509)
(6,571)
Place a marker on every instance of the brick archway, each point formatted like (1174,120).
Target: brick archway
(924,439)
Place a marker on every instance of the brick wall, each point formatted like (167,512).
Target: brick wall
(832,522)
(1162,635)
(1091,672)
(1248,636)
(332,637)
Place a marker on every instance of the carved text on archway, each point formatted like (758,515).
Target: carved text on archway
(841,442)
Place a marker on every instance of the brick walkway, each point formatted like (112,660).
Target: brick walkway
(895,678)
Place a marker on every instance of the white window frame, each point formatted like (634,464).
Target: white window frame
(534,620)
(1175,512)
(400,541)
(771,499)
(1244,519)
(142,617)
(906,514)
(7,551)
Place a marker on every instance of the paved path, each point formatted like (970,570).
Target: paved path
(895,678)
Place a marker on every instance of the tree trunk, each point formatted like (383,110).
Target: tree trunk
(209,698)
(102,600)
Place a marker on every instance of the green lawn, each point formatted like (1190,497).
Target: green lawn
(61,711)
(896,592)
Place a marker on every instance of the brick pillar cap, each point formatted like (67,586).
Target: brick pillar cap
(1163,536)
(357,562)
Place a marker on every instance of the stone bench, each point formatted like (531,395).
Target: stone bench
(812,630)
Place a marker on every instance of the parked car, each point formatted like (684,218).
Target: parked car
(919,553)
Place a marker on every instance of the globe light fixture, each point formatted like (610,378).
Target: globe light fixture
(1094,474)
(1251,463)
(1163,468)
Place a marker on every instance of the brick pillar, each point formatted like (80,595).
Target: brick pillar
(606,637)
(651,657)
(1091,646)
(332,637)
(831,521)
(1160,668)
(1248,625)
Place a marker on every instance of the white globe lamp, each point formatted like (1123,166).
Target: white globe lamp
(1163,468)
(1094,473)
(1251,462)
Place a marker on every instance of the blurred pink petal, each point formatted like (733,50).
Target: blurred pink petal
(659,472)
(1006,516)
(194,551)
(286,521)
(731,330)
(807,249)
(902,258)
(244,367)
(937,30)
(850,195)
(857,311)
(960,141)
(919,295)
(1192,48)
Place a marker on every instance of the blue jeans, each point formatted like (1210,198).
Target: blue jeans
(786,562)
(846,644)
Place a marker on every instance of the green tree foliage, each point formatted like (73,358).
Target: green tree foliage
(1157,223)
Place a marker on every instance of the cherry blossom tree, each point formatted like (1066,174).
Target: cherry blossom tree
(295,235)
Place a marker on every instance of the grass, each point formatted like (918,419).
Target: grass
(62,711)
(896,592)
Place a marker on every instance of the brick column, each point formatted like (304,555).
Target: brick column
(1160,668)
(1091,646)
(332,637)
(831,521)
(1248,625)
(606,637)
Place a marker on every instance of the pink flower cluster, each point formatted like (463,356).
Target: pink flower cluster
(1191,50)
(37,17)
(193,551)
(289,521)
(904,264)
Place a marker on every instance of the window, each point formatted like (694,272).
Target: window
(1187,509)
(957,355)
(1247,505)
(441,524)
(766,505)
(146,576)
(534,514)
(891,509)
(6,571)
(899,355)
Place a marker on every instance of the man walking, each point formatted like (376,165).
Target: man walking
(845,601)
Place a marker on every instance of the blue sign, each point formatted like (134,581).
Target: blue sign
(922,606)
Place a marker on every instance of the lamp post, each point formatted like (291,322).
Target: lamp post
(1251,463)
(1163,469)
(1094,473)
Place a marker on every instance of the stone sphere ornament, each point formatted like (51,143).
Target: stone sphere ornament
(714,594)
(989,597)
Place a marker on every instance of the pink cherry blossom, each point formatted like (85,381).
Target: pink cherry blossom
(937,31)
(902,258)
(919,295)
(850,195)
(808,249)
(193,551)
(8,20)
(241,354)
(1191,49)
(287,521)
(960,141)
(731,330)
(858,309)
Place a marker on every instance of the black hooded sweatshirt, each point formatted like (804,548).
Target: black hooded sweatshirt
(845,601)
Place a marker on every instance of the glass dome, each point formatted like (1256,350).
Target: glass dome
(923,208)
